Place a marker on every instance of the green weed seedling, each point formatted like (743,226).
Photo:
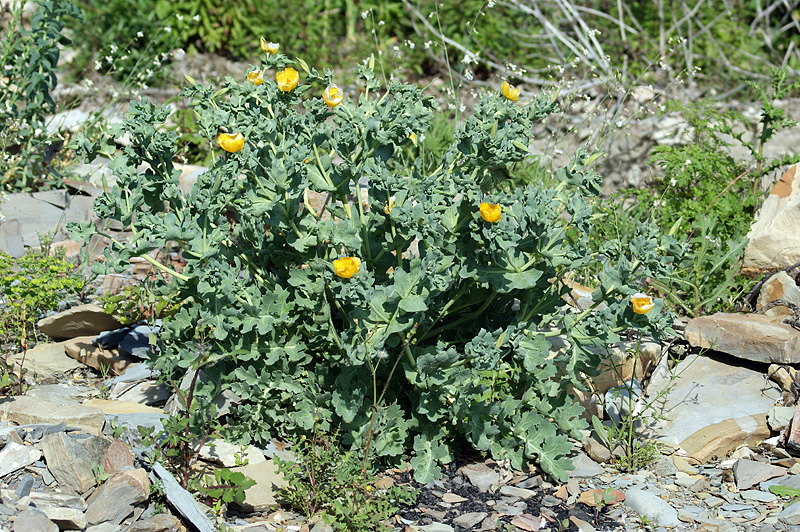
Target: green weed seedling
(330,484)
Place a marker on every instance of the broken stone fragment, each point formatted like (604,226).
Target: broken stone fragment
(83,320)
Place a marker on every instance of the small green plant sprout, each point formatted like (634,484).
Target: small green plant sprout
(601,500)
(646,523)
(330,484)
(99,473)
(225,486)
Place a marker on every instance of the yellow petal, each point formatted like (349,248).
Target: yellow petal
(333,96)
(490,212)
(231,143)
(255,77)
(269,47)
(642,303)
(347,267)
(287,79)
(510,92)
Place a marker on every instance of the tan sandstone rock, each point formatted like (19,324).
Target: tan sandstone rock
(775,235)
(749,336)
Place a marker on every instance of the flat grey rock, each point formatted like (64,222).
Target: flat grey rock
(45,361)
(585,467)
(83,320)
(748,473)
(71,459)
(115,499)
(655,508)
(15,456)
(481,476)
(470,520)
(33,520)
(701,397)
(183,501)
(790,515)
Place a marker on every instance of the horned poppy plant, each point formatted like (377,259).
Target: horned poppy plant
(490,212)
(510,92)
(287,79)
(231,143)
(642,303)
(269,47)
(333,96)
(347,266)
(256,77)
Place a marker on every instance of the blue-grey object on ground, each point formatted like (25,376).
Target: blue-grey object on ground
(748,473)
(24,486)
(656,509)
(585,467)
(434,527)
(618,400)
(481,476)
(664,466)
(33,520)
(790,515)
(183,501)
(133,340)
(135,373)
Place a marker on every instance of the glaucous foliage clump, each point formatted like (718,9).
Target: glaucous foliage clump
(412,311)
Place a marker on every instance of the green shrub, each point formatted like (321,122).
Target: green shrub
(28,59)
(30,286)
(124,39)
(415,321)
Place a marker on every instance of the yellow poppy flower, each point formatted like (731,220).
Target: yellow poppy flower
(642,303)
(510,92)
(256,77)
(490,212)
(347,266)
(287,79)
(333,96)
(269,47)
(413,138)
(389,206)
(231,143)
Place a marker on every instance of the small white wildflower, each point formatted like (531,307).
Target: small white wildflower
(196,18)
(396,49)
(673,182)
(490,4)
(140,34)
(114,94)
(687,162)
(410,44)
(88,83)
(167,29)
(365,14)
(381,354)
(428,44)
(113,48)
(462,108)
(98,65)
(179,17)
(468,75)
(381,23)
